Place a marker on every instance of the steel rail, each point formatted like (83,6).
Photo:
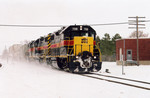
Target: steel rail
(122,78)
(118,82)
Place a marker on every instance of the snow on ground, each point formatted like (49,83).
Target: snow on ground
(134,72)
(34,80)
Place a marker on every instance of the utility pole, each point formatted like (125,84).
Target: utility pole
(138,23)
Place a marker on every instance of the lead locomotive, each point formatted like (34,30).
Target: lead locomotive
(73,48)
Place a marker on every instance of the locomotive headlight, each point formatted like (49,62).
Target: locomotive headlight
(94,57)
(77,57)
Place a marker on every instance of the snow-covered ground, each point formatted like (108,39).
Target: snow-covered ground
(34,80)
(134,72)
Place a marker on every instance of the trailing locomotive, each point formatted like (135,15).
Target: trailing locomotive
(73,48)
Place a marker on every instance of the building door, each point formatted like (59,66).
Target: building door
(129,54)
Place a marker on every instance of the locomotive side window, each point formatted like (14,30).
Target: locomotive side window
(91,34)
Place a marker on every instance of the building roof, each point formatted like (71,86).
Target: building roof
(133,38)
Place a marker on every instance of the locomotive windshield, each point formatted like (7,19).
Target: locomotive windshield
(82,33)
(87,34)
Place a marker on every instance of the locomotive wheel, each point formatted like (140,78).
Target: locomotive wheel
(61,63)
(49,62)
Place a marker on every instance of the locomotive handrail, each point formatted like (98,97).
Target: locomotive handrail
(98,47)
(70,54)
(68,46)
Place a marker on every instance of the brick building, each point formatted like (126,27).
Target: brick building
(126,51)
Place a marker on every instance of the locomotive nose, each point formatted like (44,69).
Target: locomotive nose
(86,58)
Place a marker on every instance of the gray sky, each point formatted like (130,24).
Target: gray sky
(66,12)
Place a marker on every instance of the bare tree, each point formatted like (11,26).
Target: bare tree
(140,34)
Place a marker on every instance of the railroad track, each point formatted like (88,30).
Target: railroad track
(119,80)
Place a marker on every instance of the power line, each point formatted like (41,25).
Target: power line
(119,23)
(10,25)
(109,24)
(104,24)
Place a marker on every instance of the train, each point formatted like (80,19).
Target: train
(73,48)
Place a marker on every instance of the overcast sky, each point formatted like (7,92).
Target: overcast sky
(66,12)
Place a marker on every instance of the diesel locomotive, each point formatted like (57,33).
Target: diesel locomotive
(73,47)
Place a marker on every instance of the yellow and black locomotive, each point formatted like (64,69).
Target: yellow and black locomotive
(73,48)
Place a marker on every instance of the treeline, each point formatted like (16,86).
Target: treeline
(108,46)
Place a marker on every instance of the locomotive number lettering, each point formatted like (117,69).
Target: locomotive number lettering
(84,40)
